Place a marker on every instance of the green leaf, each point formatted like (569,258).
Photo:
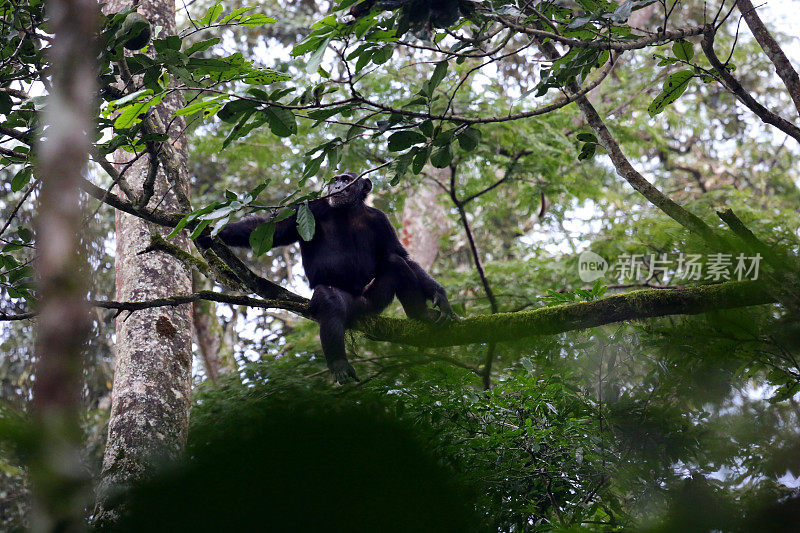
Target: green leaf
(673,88)
(253,21)
(402,140)
(174,42)
(21,179)
(281,121)
(312,42)
(5,104)
(261,238)
(305,222)
(241,129)
(233,110)
(312,167)
(327,112)
(683,50)
(211,15)
(133,114)
(131,97)
(665,60)
(190,217)
(236,13)
(426,128)
(219,224)
(329,22)
(201,46)
(442,157)
(400,166)
(420,159)
(265,77)
(436,78)
(444,137)
(198,229)
(198,105)
(587,152)
(469,138)
(419,100)
(25,234)
(316,58)
(363,59)
(383,55)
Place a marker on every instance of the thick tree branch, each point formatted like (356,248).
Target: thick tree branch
(251,280)
(214,270)
(633,305)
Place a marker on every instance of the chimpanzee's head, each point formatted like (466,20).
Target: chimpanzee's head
(343,194)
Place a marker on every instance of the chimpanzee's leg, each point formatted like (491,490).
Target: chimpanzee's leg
(334,308)
(377,295)
(395,278)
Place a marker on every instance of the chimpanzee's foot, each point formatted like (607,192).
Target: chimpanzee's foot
(342,371)
(435,316)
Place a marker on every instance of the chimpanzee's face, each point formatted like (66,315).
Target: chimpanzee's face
(342,193)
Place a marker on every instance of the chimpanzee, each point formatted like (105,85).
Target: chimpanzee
(355,264)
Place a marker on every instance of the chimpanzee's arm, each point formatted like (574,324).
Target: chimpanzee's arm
(238,233)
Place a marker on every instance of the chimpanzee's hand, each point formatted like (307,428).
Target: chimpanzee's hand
(203,242)
(342,371)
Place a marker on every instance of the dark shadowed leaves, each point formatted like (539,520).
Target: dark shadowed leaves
(469,138)
(402,140)
(442,156)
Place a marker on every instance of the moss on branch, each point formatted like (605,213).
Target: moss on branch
(647,303)
(500,327)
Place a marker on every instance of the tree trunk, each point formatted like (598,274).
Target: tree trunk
(61,488)
(424,221)
(152,379)
(216,354)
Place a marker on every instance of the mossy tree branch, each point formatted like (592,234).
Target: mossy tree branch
(633,305)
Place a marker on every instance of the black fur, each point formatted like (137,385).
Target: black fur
(418,15)
(355,263)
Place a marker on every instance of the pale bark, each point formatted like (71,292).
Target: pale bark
(60,484)
(424,221)
(152,379)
